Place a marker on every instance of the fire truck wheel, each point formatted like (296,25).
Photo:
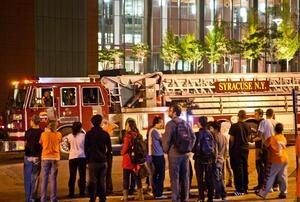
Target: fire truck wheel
(64,146)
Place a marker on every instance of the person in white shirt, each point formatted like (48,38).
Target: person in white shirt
(265,131)
(77,159)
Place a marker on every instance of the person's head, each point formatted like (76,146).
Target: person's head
(52,125)
(35,121)
(157,122)
(202,122)
(278,128)
(242,115)
(259,113)
(76,128)
(131,126)
(96,120)
(174,111)
(270,113)
(47,94)
(214,126)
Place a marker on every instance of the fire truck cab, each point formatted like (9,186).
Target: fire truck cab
(63,99)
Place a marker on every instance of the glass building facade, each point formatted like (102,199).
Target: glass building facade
(123,23)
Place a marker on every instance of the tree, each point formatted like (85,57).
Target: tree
(216,46)
(107,56)
(191,51)
(140,51)
(254,43)
(170,50)
(288,43)
(117,55)
(233,47)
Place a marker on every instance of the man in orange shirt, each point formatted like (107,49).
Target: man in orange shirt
(278,158)
(50,141)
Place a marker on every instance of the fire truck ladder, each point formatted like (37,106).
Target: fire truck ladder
(122,89)
(203,84)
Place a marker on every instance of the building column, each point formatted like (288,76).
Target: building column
(200,17)
(148,33)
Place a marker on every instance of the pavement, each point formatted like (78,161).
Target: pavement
(12,188)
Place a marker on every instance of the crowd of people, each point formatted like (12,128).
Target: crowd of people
(220,152)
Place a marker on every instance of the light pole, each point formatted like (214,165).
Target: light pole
(210,29)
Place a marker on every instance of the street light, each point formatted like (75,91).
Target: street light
(210,27)
(278,21)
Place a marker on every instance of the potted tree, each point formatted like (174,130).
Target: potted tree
(287,43)
(105,57)
(170,51)
(140,52)
(216,46)
(255,41)
(192,51)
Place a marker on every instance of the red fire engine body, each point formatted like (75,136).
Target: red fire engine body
(142,97)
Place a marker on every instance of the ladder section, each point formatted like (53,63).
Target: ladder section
(204,84)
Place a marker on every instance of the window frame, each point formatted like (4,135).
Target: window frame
(61,95)
(98,103)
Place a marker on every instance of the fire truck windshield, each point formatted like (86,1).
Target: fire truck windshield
(17,96)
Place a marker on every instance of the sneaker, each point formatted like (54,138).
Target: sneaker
(282,196)
(237,193)
(260,195)
(225,199)
(276,188)
(161,197)
(271,190)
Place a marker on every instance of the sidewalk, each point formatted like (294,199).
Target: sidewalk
(12,184)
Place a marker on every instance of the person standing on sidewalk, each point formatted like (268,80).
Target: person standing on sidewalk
(259,157)
(97,147)
(77,159)
(265,131)
(178,156)
(221,145)
(50,141)
(225,126)
(205,158)
(32,160)
(129,168)
(278,158)
(156,153)
(109,127)
(239,151)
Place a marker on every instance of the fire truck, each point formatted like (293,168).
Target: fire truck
(142,97)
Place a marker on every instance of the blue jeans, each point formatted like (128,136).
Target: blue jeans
(97,181)
(50,167)
(158,176)
(180,177)
(220,191)
(32,169)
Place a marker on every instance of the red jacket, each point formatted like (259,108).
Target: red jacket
(126,162)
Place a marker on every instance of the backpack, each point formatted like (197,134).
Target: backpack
(138,150)
(184,138)
(206,146)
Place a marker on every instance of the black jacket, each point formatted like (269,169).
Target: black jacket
(97,145)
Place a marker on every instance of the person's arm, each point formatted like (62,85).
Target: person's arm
(125,147)
(150,141)
(108,146)
(41,139)
(86,146)
(166,138)
(231,137)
